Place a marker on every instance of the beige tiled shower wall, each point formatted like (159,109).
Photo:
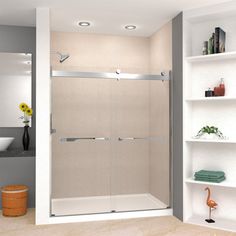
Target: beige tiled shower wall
(93,52)
(160,60)
(100,108)
(108,108)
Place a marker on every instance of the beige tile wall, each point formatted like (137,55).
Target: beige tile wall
(130,166)
(81,108)
(110,109)
(91,52)
(160,60)
(100,108)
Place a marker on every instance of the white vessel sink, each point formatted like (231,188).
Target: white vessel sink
(5,143)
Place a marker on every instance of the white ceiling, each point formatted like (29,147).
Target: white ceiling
(107,16)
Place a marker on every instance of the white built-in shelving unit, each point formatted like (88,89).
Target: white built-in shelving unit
(210,99)
(225,184)
(200,73)
(216,141)
(212,57)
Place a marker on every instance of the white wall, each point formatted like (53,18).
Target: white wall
(43,101)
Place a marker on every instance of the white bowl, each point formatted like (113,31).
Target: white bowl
(5,143)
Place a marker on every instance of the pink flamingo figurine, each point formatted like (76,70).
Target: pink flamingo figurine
(211,204)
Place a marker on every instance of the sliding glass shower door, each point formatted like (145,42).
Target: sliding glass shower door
(110,151)
(81,146)
(140,160)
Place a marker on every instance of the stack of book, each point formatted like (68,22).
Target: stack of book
(216,44)
(210,176)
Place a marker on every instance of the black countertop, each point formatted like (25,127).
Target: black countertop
(17,153)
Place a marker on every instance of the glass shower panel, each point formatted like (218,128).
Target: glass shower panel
(81,146)
(110,151)
(140,160)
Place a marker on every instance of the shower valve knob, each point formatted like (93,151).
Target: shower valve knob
(118,71)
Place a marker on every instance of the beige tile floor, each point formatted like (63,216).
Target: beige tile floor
(156,226)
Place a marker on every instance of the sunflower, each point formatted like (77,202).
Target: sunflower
(29,111)
(23,106)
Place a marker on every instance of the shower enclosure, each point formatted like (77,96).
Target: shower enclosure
(110,143)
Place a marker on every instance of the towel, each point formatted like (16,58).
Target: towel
(217,180)
(208,177)
(209,174)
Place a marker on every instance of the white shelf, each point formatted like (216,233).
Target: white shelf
(210,99)
(225,183)
(212,57)
(227,141)
(222,224)
(201,72)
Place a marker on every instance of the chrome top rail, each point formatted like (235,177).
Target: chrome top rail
(109,75)
(84,138)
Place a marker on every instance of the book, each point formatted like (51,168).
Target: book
(219,42)
(211,44)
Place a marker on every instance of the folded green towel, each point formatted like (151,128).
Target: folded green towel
(219,180)
(209,174)
(208,177)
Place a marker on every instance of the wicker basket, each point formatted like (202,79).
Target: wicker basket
(14,200)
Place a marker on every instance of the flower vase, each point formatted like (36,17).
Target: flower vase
(26,138)
(209,136)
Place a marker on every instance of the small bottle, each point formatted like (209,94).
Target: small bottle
(209,93)
(222,87)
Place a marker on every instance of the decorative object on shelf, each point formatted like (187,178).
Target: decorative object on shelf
(209,93)
(220,90)
(222,87)
(210,132)
(28,112)
(220,37)
(26,138)
(211,204)
(211,44)
(205,48)
(209,176)
(216,43)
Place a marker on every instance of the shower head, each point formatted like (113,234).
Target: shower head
(64,57)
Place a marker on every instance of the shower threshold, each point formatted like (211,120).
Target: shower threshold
(105,204)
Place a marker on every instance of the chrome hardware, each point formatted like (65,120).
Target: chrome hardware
(84,138)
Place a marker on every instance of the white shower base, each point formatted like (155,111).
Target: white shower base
(105,204)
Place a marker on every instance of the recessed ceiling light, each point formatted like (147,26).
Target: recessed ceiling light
(130,27)
(83,23)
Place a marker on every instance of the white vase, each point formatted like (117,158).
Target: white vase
(209,136)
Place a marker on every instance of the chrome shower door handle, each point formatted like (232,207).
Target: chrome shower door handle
(123,139)
(134,138)
(103,139)
(84,138)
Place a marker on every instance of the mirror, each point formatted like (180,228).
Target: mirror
(15,87)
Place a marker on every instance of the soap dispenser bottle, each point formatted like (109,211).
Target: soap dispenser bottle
(222,87)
